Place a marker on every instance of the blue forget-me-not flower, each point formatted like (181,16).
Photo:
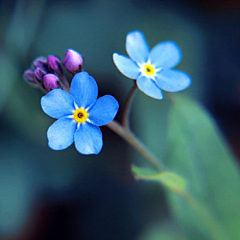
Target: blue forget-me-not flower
(152,69)
(79,115)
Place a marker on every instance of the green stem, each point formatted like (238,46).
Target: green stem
(125,132)
(129,137)
(128,105)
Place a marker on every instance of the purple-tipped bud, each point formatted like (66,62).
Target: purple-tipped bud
(39,73)
(73,61)
(29,77)
(40,62)
(55,65)
(50,82)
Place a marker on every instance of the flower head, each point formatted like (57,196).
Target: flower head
(152,69)
(79,115)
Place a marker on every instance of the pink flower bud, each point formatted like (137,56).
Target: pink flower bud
(73,61)
(29,77)
(54,65)
(40,62)
(50,82)
(39,73)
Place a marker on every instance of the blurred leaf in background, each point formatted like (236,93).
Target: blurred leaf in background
(198,152)
(8,77)
(163,231)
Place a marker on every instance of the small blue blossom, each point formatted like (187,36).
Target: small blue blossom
(79,115)
(152,69)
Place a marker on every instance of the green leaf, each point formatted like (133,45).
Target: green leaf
(198,152)
(142,171)
(170,180)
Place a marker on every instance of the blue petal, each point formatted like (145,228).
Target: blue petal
(137,47)
(126,66)
(60,133)
(88,139)
(57,103)
(84,89)
(103,111)
(149,87)
(172,80)
(165,54)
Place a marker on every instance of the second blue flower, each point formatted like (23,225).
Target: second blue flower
(152,69)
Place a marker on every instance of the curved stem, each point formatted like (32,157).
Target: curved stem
(129,137)
(128,105)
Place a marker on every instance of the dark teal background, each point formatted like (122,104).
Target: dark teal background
(46,194)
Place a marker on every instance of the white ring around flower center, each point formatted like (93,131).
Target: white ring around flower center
(148,70)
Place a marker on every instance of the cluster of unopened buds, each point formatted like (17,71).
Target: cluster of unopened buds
(78,111)
(49,73)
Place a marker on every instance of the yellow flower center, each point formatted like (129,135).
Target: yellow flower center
(80,115)
(148,70)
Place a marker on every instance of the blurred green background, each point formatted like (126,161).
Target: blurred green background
(46,194)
